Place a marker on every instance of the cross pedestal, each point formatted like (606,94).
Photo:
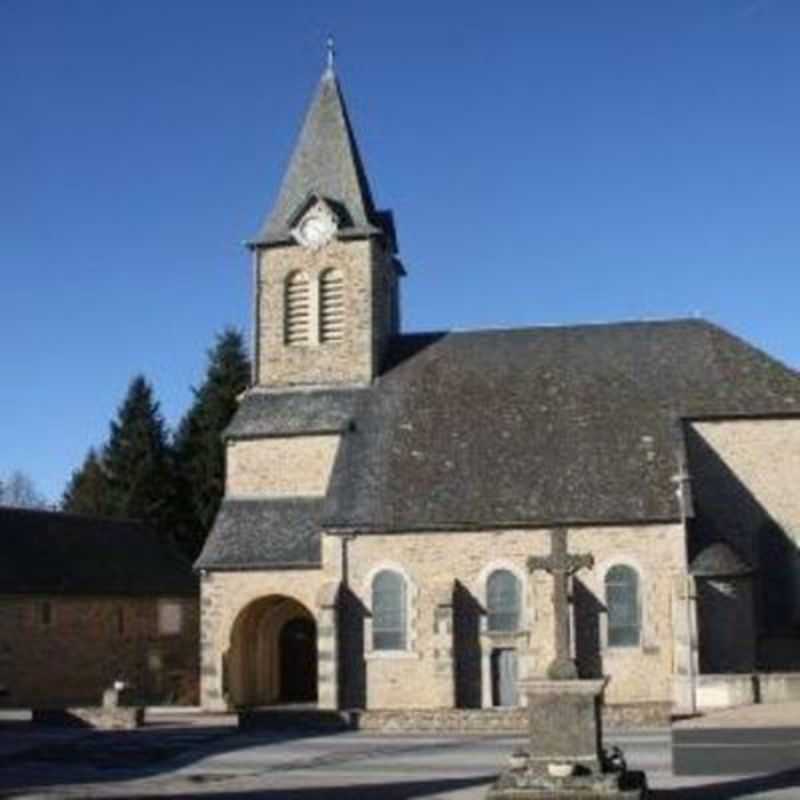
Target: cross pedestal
(565,759)
(565,723)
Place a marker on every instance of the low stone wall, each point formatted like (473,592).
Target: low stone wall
(729,691)
(123,718)
(779,687)
(510,720)
(724,691)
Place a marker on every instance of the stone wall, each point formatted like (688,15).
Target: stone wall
(744,481)
(352,360)
(58,651)
(289,466)
(413,678)
(224,597)
(482,721)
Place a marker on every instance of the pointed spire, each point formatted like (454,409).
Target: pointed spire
(331,47)
(326,164)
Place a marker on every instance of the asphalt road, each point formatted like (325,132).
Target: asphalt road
(187,762)
(735,751)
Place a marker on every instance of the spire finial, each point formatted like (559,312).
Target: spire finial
(331,48)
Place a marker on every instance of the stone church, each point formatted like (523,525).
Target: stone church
(385,489)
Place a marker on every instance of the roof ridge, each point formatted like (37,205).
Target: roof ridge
(547,326)
(57,512)
(285,498)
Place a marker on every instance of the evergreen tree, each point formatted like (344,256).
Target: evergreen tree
(88,490)
(136,458)
(198,447)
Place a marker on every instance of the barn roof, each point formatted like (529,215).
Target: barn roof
(49,552)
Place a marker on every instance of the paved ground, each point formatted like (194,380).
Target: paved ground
(206,756)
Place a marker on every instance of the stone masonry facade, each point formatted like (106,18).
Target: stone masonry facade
(431,672)
(745,477)
(355,359)
(594,384)
(280,466)
(58,651)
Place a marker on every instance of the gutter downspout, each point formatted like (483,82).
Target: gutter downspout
(681,479)
(254,370)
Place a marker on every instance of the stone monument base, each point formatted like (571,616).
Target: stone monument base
(566,760)
(520,784)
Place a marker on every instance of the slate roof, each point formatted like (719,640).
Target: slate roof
(266,534)
(325,163)
(47,552)
(719,559)
(541,426)
(288,413)
(492,429)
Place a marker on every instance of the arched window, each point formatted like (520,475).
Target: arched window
(297,306)
(331,306)
(502,601)
(388,611)
(622,603)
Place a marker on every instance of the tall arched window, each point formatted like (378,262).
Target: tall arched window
(388,611)
(331,306)
(502,601)
(622,603)
(297,306)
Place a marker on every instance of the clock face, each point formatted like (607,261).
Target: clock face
(316,229)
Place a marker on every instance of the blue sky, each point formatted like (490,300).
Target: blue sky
(548,162)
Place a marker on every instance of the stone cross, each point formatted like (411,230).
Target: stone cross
(561,565)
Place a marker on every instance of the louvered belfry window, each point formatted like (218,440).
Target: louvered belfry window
(331,306)
(297,320)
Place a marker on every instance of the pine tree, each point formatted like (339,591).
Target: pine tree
(136,459)
(198,447)
(88,490)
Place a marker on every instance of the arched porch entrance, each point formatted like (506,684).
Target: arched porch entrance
(273,654)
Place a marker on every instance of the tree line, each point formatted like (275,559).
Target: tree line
(173,481)
(18,490)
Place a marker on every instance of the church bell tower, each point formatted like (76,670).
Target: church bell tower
(325,260)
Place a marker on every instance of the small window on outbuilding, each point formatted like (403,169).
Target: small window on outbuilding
(623,605)
(388,611)
(502,602)
(170,617)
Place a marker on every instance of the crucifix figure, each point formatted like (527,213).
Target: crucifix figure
(561,565)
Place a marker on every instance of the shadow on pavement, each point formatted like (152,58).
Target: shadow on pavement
(729,790)
(392,791)
(55,757)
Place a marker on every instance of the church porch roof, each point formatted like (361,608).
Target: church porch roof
(275,533)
